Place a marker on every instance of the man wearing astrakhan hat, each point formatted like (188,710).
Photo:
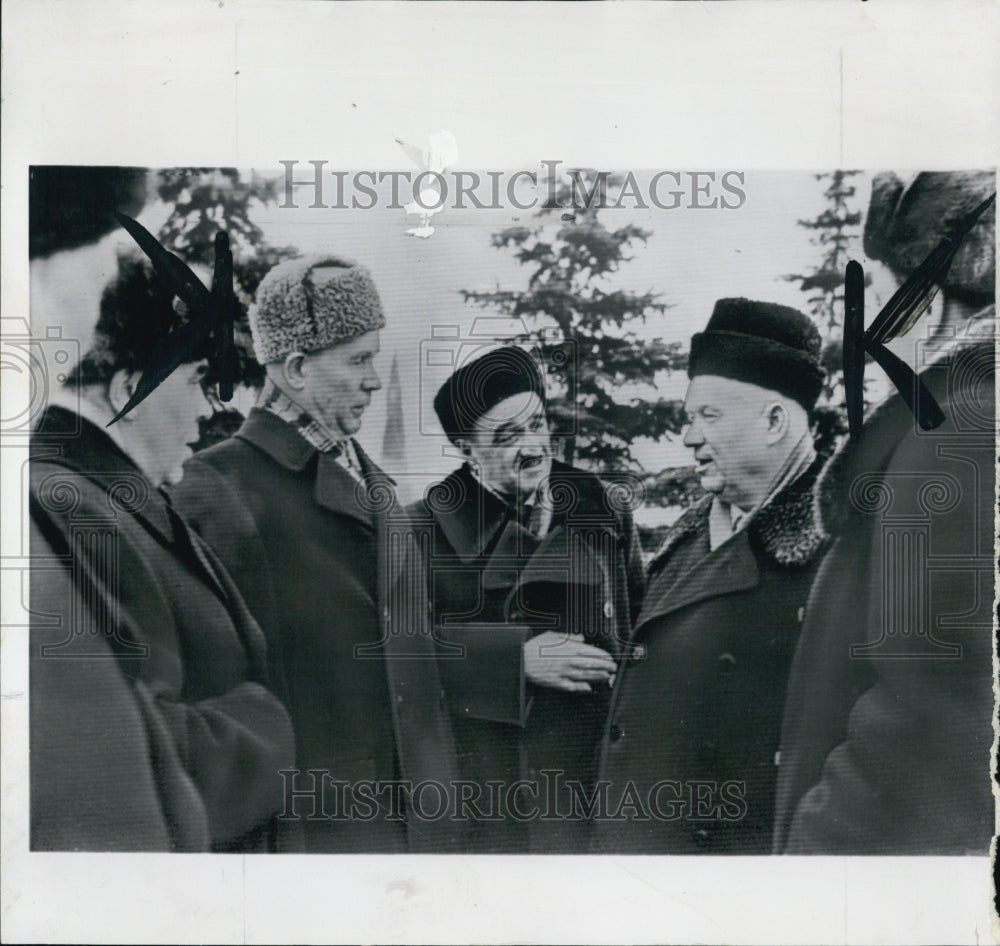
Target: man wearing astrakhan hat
(536,572)
(692,734)
(300,516)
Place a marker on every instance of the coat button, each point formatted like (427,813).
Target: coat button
(515,615)
(609,610)
(638,652)
(801,616)
(617,733)
(725,663)
(702,837)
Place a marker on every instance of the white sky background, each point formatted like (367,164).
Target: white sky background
(692,258)
(685,86)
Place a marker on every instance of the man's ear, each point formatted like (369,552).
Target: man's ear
(121,387)
(463,447)
(293,370)
(777,422)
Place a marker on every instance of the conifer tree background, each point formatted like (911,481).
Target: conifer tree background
(837,233)
(206,200)
(584,328)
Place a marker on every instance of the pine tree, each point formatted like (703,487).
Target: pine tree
(837,232)
(584,328)
(206,200)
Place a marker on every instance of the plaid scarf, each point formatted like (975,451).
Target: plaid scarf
(273,399)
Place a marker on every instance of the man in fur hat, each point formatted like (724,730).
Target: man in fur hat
(690,747)
(886,741)
(536,573)
(301,517)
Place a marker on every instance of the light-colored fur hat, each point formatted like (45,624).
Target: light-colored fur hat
(310,303)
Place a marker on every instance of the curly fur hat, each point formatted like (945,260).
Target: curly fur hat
(310,303)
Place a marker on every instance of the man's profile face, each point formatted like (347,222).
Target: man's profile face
(339,382)
(510,446)
(727,433)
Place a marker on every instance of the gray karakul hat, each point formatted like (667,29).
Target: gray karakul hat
(480,385)
(310,303)
(773,346)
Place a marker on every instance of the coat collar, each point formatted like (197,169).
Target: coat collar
(729,568)
(784,528)
(471,516)
(782,531)
(336,489)
(64,437)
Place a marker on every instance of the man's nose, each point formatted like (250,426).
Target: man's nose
(372,382)
(692,436)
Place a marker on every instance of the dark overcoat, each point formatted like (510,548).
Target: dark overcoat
(494,585)
(150,727)
(310,548)
(888,726)
(692,735)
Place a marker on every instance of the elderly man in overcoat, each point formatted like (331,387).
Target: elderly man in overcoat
(535,573)
(152,727)
(688,759)
(302,518)
(888,729)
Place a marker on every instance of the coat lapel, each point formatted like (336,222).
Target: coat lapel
(337,491)
(729,569)
(471,521)
(91,453)
(558,559)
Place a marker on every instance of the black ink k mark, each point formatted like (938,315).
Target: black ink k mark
(213,311)
(897,317)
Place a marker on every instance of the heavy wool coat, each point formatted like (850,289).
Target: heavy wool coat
(888,726)
(493,585)
(310,548)
(688,758)
(151,727)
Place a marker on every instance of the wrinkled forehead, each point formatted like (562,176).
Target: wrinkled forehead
(517,410)
(709,390)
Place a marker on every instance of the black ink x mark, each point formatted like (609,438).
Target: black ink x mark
(897,317)
(208,311)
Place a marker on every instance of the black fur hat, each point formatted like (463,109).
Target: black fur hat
(481,384)
(773,346)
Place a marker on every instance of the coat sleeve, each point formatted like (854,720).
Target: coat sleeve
(231,745)
(911,774)
(94,784)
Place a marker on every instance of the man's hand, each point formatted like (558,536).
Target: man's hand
(566,663)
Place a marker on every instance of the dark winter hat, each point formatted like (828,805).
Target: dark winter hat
(310,303)
(773,346)
(481,384)
(906,221)
(137,312)
(71,206)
